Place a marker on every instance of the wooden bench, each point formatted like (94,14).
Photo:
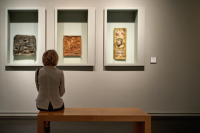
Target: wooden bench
(141,120)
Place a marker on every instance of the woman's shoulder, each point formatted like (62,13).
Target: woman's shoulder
(59,71)
(38,70)
(49,69)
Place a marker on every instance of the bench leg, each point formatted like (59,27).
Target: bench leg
(138,127)
(148,125)
(142,127)
(40,125)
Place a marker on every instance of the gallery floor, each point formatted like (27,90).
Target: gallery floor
(163,124)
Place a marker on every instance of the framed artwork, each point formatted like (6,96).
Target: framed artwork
(24,45)
(72,46)
(120,43)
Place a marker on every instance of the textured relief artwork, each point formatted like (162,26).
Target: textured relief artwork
(120,43)
(24,45)
(72,46)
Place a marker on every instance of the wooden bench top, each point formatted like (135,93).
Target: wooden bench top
(95,114)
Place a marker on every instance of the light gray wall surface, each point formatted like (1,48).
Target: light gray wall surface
(172,85)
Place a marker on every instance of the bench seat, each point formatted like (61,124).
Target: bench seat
(141,120)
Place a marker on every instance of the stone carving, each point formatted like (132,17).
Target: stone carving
(72,46)
(120,43)
(24,45)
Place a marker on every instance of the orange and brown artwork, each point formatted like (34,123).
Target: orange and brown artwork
(120,43)
(72,45)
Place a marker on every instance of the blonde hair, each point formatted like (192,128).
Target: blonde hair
(50,58)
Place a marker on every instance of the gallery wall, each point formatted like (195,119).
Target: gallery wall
(172,31)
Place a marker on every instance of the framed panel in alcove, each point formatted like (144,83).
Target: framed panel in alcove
(133,20)
(25,32)
(75,22)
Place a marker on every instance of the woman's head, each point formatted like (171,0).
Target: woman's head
(50,58)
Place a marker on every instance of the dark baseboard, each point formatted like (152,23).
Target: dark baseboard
(160,123)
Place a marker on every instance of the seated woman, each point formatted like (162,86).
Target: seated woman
(50,84)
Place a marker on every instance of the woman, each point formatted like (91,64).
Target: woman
(50,84)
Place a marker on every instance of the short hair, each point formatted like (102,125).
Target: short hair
(50,58)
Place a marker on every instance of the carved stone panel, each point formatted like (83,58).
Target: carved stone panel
(24,45)
(72,45)
(120,43)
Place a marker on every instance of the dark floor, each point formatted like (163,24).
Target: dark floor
(164,125)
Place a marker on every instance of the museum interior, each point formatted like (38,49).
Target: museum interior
(115,55)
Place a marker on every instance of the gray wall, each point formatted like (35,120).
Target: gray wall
(170,86)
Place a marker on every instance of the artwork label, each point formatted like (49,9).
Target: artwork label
(24,45)
(72,46)
(120,43)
